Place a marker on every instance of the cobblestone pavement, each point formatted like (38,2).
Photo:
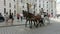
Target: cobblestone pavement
(16,22)
(53,28)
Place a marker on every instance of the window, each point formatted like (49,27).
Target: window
(39,6)
(4,2)
(52,14)
(47,10)
(51,10)
(14,0)
(14,11)
(9,4)
(4,10)
(47,2)
(23,6)
(10,10)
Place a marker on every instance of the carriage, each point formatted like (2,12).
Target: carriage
(36,19)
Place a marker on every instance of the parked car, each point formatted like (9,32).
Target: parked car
(1,18)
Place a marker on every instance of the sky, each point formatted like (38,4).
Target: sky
(58,0)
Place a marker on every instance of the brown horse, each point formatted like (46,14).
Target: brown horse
(37,21)
(31,17)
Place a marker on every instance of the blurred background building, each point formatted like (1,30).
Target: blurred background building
(35,6)
(8,6)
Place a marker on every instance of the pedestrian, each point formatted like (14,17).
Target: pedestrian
(6,18)
(48,16)
(42,18)
(18,16)
(21,15)
(11,18)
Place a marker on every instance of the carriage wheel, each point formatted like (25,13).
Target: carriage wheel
(47,20)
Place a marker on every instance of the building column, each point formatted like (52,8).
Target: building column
(37,12)
(19,9)
(54,8)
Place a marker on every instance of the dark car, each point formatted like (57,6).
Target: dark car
(2,19)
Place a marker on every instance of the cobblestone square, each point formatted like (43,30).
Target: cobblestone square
(53,28)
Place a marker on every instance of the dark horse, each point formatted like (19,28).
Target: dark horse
(31,17)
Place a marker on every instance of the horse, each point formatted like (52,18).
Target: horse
(31,17)
(36,19)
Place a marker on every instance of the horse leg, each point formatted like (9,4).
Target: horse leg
(34,22)
(26,23)
(42,21)
(31,24)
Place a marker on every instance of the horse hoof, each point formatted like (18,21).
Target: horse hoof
(36,26)
(30,26)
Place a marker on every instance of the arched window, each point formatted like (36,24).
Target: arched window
(4,10)
(9,4)
(14,0)
(10,10)
(4,2)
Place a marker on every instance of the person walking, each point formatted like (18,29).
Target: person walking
(18,17)
(6,18)
(42,18)
(48,16)
(11,18)
(21,15)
